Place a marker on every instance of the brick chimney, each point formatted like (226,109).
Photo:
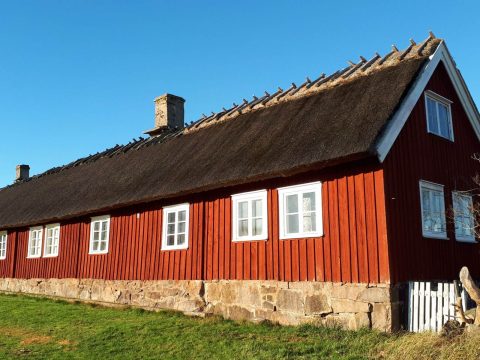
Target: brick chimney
(22,173)
(169,114)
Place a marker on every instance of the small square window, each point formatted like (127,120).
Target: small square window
(433,210)
(175,227)
(99,235)
(249,216)
(52,240)
(3,245)
(439,115)
(300,211)
(35,242)
(463,216)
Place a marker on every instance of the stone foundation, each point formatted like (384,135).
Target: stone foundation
(351,306)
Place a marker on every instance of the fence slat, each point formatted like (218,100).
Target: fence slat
(428,314)
(410,306)
(433,318)
(439,306)
(429,309)
(451,301)
(421,312)
(415,306)
(445,303)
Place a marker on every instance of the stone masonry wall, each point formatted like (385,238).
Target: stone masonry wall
(351,306)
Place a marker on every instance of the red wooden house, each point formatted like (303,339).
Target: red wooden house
(315,203)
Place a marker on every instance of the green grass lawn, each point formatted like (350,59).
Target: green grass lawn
(41,328)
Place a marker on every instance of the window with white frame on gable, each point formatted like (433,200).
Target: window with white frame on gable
(433,210)
(439,115)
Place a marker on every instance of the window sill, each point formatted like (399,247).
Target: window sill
(34,257)
(466,240)
(50,256)
(173,248)
(98,253)
(441,137)
(301,236)
(250,239)
(3,258)
(437,237)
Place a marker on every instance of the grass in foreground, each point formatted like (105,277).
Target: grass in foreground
(40,328)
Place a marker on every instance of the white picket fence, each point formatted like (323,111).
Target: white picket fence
(431,305)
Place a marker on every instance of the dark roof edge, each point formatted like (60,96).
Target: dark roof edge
(324,165)
(385,129)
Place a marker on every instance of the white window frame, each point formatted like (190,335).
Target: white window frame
(38,230)
(3,245)
(52,227)
(460,237)
(100,219)
(433,187)
(444,101)
(315,187)
(175,209)
(250,197)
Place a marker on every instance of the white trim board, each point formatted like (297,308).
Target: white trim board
(395,125)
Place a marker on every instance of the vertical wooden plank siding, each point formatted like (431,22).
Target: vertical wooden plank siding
(7,264)
(418,155)
(353,248)
(62,266)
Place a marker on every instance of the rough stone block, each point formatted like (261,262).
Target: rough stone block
(317,304)
(239,313)
(382,317)
(291,301)
(347,291)
(359,321)
(268,306)
(350,306)
(374,295)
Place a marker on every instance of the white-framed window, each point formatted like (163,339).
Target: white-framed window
(52,240)
(300,211)
(35,242)
(432,203)
(3,245)
(249,216)
(463,216)
(175,227)
(439,115)
(99,235)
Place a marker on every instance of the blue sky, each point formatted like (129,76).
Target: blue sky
(77,77)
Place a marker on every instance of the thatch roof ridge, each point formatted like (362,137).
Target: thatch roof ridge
(310,87)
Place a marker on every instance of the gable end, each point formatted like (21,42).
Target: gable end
(398,120)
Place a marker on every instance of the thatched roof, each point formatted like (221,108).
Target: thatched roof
(326,121)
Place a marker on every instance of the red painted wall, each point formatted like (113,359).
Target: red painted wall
(62,266)
(417,155)
(353,249)
(7,265)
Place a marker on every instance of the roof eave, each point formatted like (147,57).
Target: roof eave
(319,166)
